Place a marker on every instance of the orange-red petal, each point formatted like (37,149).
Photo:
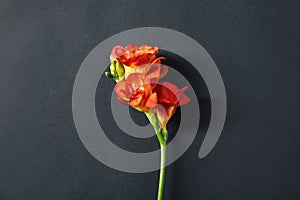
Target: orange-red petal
(135,80)
(151,101)
(122,90)
(135,102)
(116,52)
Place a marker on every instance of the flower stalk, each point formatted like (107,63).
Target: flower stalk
(163,159)
(162,136)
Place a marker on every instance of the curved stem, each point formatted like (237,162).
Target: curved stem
(163,153)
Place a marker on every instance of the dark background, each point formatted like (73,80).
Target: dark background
(255,45)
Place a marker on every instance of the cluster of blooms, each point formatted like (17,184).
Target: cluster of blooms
(137,71)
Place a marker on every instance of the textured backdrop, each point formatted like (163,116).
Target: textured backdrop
(255,45)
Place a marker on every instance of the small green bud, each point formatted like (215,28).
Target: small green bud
(120,69)
(112,66)
(109,75)
(114,74)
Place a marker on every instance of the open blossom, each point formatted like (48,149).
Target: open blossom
(133,55)
(146,94)
(137,59)
(137,89)
(136,92)
(169,97)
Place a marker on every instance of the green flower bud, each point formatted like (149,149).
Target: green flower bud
(117,71)
(108,75)
(114,74)
(120,69)
(112,66)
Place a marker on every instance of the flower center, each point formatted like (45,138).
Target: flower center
(138,93)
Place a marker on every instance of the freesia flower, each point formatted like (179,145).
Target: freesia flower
(137,71)
(145,94)
(137,59)
(137,90)
(169,98)
(133,55)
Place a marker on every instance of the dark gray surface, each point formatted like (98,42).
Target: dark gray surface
(255,44)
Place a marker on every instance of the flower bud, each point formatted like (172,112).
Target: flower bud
(113,71)
(109,75)
(120,69)
(112,66)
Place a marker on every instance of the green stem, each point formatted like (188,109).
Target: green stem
(162,136)
(163,153)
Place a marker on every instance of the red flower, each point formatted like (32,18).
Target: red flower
(137,59)
(144,93)
(137,90)
(133,55)
(169,97)
(140,87)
